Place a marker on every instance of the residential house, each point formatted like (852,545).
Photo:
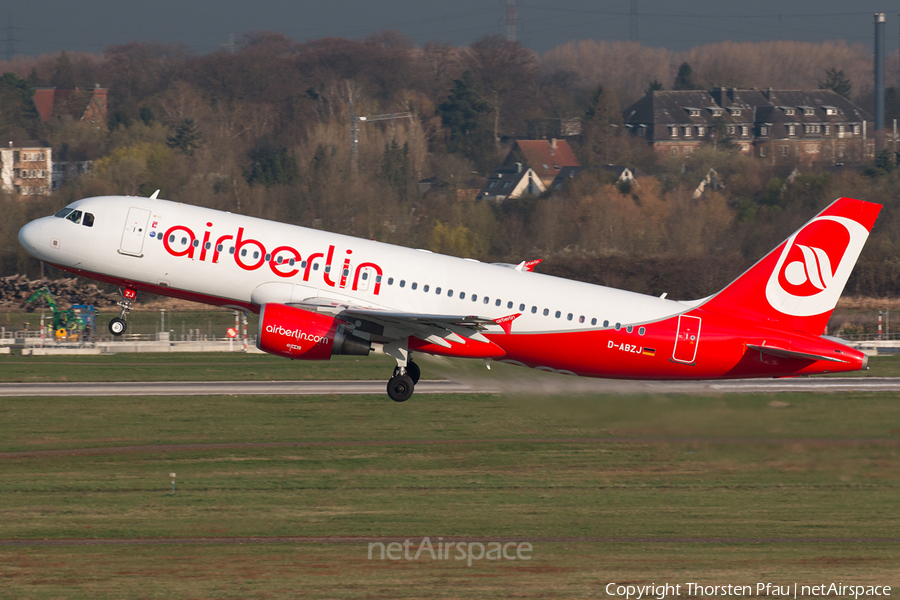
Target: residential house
(622,174)
(780,127)
(546,157)
(512,183)
(88,106)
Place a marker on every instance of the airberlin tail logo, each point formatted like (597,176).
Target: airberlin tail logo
(814,266)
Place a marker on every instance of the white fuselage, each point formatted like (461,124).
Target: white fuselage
(169,250)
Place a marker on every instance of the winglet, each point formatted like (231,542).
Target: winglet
(506,322)
(528,265)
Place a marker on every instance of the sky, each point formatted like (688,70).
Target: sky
(49,26)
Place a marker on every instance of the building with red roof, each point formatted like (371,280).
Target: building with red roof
(79,104)
(545,157)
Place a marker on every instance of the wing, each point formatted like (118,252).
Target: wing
(382,325)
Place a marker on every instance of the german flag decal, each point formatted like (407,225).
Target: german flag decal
(649,352)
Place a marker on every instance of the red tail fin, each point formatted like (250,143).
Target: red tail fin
(797,285)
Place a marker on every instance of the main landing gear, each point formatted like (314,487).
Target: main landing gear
(403,383)
(117,326)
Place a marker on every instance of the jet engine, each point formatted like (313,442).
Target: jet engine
(300,334)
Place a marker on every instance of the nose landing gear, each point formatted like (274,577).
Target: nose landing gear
(118,325)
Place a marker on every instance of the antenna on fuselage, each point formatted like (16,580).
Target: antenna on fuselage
(155,195)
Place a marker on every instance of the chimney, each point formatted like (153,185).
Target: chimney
(769,94)
(732,93)
(518,167)
(720,95)
(553,143)
(879,81)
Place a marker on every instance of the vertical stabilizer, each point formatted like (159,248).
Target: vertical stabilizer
(797,285)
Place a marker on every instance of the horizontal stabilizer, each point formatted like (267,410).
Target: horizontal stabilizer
(785,353)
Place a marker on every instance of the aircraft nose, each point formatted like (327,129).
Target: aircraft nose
(30,236)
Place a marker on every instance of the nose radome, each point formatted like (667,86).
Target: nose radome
(30,236)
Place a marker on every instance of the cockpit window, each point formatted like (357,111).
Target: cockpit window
(88,220)
(75,216)
(64,213)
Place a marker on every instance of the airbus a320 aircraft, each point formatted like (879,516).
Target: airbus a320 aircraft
(319,294)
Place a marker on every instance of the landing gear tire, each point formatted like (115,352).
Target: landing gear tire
(400,388)
(117,326)
(412,369)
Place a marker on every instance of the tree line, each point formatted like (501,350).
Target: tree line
(265,131)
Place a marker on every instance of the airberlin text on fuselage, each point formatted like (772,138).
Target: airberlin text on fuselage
(244,247)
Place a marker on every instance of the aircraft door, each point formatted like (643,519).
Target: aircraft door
(687,339)
(135,231)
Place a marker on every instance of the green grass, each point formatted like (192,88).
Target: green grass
(731,466)
(237,366)
(797,466)
(185,366)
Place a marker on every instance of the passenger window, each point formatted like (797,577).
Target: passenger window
(594,321)
(346,272)
(425,288)
(437,291)
(642,331)
(606,323)
(184,241)
(449,293)
(474,297)
(195,243)
(365,274)
(630,328)
(278,260)
(402,283)
(207,245)
(509,304)
(88,220)
(522,307)
(315,266)
(171,239)
(231,250)
(581,319)
(328,268)
(390,281)
(414,285)
(569,318)
(618,326)
(291,262)
(533,309)
(546,311)
(219,248)
(462,295)
(268,257)
(497,303)
(256,254)
(558,314)
(378,279)
(74,216)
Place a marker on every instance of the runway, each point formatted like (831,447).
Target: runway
(481,385)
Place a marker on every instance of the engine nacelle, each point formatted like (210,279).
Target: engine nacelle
(300,334)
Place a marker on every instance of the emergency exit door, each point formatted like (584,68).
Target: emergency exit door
(687,339)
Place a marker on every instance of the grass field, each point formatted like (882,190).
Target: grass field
(721,489)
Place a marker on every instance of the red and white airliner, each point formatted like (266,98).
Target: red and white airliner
(319,294)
